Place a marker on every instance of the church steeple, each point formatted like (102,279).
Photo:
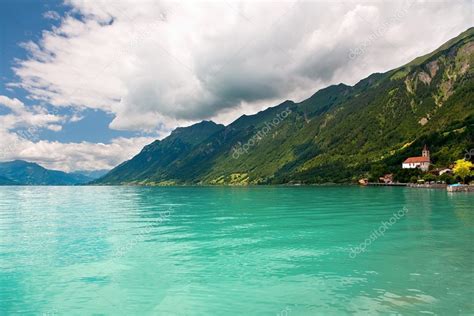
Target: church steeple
(425,152)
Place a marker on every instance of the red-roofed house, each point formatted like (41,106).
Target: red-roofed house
(422,162)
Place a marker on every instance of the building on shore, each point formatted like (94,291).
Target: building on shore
(444,170)
(388,178)
(422,162)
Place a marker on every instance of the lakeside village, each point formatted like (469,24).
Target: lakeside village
(457,177)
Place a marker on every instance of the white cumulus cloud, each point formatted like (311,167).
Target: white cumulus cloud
(70,156)
(21,116)
(19,139)
(51,15)
(158,64)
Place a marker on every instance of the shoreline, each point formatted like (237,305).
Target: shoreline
(464,188)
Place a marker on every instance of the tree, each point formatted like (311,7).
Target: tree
(462,168)
(406,175)
(447,178)
(376,171)
(429,177)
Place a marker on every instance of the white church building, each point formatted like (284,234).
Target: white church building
(422,162)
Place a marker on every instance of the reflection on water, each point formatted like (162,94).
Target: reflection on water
(216,250)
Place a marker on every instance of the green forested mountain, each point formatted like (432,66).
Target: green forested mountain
(21,172)
(339,134)
(6,181)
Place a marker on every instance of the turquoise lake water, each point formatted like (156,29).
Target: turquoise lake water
(235,251)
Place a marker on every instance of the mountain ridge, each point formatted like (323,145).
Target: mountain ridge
(20,172)
(338,134)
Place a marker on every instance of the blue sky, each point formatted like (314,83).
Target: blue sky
(85,85)
(20,21)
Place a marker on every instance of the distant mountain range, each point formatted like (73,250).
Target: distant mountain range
(6,181)
(21,172)
(339,134)
(91,174)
